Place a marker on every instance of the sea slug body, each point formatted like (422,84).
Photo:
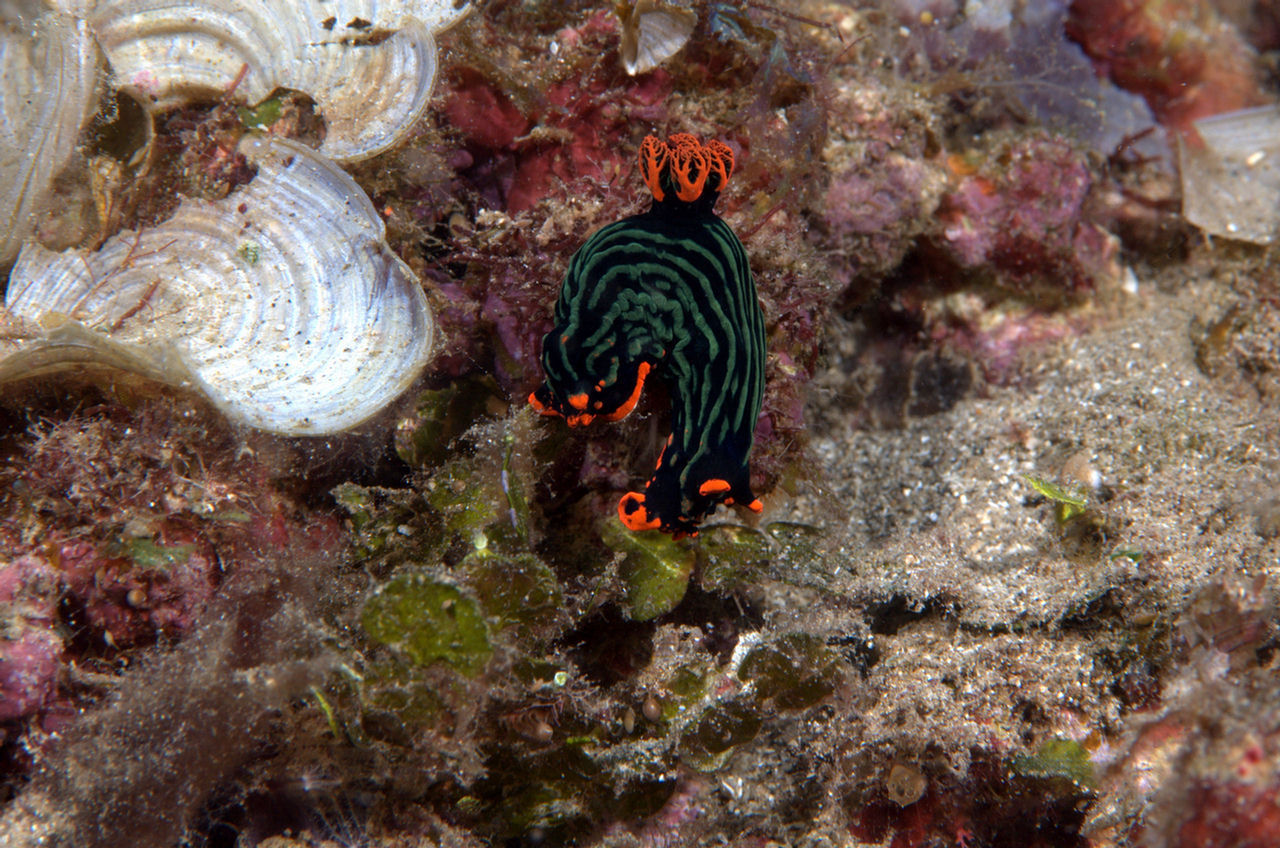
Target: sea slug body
(666,295)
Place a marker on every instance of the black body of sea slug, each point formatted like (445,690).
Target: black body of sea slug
(666,294)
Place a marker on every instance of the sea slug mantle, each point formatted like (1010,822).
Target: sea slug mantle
(667,295)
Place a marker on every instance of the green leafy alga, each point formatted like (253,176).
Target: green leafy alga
(1064,758)
(1067,504)
(429,621)
(654,569)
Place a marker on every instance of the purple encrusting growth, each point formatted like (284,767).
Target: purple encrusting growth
(31,650)
(877,210)
(1023,215)
(29,668)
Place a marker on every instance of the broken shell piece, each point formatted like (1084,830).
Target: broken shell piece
(905,784)
(281,302)
(369,66)
(1231,185)
(652,32)
(48,90)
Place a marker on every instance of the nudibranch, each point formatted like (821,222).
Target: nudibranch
(666,295)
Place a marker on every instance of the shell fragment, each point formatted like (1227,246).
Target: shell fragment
(281,302)
(368,65)
(1231,184)
(48,90)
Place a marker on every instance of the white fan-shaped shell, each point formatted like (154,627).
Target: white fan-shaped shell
(281,302)
(370,94)
(48,89)
(654,32)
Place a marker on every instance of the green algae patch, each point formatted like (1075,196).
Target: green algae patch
(655,569)
(249,253)
(543,805)
(441,416)
(796,671)
(413,702)
(547,790)
(708,745)
(1060,758)
(148,555)
(429,621)
(480,497)
(377,517)
(732,557)
(460,495)
(1066,504)
(261,116)
(686,689)
(515,591)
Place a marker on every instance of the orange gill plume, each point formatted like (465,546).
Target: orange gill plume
(654,158)
(686,165)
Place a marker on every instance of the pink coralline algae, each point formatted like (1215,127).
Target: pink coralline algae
(574,130)
(1025,216)
(29,668)
(877,210)
(1231,814)
(78,597)
(130,601)
(116,530)
(486,117)
(595,124)
(30,648)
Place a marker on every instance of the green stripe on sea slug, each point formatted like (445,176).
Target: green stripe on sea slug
(667,292)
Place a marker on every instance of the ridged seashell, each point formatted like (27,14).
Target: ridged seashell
(48,90)
(653,32)
(281,302)
(368,65)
